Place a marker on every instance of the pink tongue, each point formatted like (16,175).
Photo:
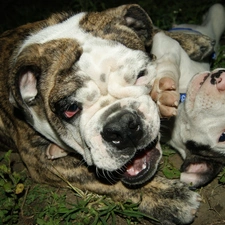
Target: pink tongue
(221,82)
(137,165)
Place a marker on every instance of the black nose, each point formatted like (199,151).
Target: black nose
(123,131)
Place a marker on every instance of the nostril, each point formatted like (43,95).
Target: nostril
(218,79)
(134,126)
(111,135)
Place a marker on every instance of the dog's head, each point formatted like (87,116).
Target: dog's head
(199,132)
(84,84)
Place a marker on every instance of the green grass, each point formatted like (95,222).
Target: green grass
(11,189)
(168,169)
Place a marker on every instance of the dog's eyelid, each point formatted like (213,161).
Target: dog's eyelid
(67,108)
(71,110)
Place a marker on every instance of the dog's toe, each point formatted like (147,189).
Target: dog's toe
(165,94)
(166,83)
(166,111)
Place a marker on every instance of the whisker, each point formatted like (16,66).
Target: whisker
(110,176)
(106,176)
(82,162)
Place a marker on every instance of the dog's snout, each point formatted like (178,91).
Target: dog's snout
(123,131)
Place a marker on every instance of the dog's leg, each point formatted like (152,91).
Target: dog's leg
(169,201)
(165,95)
(165,88)
(197,46)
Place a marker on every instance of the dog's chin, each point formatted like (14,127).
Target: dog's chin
(142,166)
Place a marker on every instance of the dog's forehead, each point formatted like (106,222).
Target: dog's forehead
(68,29)
(73,28)
(100,57)
(107,70)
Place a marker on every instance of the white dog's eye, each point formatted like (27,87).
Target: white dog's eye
(141,73)
(222,137)
(71,111)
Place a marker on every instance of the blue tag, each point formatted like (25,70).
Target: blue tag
(214,56)
(182,97)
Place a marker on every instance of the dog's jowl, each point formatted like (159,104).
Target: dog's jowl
(78,86)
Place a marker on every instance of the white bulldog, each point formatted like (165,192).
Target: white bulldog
(198,132)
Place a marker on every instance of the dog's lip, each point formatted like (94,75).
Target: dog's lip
(143,165)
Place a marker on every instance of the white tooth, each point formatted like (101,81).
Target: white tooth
(116,142)
(144,166)
(144,160)
(131,170)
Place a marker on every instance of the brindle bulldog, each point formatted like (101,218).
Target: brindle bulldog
(78,85)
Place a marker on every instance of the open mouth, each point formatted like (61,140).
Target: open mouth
(143,165)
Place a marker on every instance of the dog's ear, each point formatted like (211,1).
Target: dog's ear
(25,71)
(138,20)
(199,171)
(127,24)
(26,86)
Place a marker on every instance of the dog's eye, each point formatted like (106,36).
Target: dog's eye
(141,73)
(222,137)
(71,110)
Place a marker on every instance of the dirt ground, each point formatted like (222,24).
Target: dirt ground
(212,209)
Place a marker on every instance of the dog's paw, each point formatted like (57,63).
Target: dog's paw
(174,202)
(165,94)
(54,151)
(197,46)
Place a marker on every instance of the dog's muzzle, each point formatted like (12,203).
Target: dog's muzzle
(124,133)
